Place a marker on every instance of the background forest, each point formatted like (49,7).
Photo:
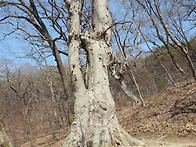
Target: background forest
(28,93)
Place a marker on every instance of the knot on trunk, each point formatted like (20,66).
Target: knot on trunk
(103,105)
(100,110)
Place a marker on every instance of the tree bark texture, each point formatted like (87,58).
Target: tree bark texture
(95,122)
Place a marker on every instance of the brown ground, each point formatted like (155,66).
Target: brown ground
(168,116)
(168,119)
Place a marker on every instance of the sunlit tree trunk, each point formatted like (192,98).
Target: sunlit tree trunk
(95,123)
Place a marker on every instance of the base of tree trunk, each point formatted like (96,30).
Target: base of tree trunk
(96,125)
(100,136)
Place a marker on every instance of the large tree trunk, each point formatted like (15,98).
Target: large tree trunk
(95,123)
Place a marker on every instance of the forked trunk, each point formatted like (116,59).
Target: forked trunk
(95,123)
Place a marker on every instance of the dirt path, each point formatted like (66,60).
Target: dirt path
(171,142)
(48,141)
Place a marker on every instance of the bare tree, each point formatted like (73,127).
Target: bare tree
(168,22)
(21,86)
(95,116)
(170,77)
(5,106)
(127,39)
(95,122)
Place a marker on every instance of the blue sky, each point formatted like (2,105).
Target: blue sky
(14,49)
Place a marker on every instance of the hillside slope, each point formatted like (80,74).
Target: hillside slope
(168,119)
(169,115)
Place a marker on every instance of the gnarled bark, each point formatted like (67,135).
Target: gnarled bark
(95,123)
